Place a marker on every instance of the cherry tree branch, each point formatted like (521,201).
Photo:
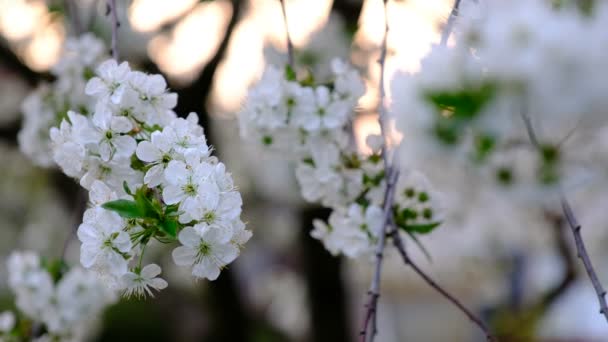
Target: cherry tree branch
(391,176)
(290,56)
(449,25)
(398,243)
(581,251)
(370,317)
(113,11)
(575,227)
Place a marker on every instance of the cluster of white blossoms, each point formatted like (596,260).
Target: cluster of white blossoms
(53,303)
(506,76)
(150,176)
(48,104)
(312,124)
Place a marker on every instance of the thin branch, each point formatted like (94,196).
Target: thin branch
(115,24)
(408,261)
(290,58)
(575,227)
(449,25)
(581,251)
(374,290)
(392,175)
(72,13)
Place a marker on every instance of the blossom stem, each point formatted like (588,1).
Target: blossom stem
(290,58)
(408,261)
(392,176)
(112,10)
(575,227)
(449,25)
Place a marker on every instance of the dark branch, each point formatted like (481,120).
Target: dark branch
(408,261)
(575,227)
(449,25)
(290,57)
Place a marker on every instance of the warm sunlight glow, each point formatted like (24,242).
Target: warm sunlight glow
(243,64)
(45,47)
(150,15)
(19,19)
(184,52)
(263,22)
(414,27)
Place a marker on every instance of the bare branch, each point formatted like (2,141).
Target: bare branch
(391,175)
(408,261)
(449,25)
(113,11)
(290,57)
(575,227)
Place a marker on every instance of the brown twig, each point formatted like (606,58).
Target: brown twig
(113,11)
(398,243)
(575,227)
(449,25)
(290,57)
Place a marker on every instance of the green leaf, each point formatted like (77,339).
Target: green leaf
(420,228)
(462,104)
(267,140)
(169,227)
(137,164)
(309,81)
(125,186)
(145,205)
(290,74)
(124,208)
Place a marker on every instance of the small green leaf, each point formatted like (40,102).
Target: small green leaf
(146,205)
(124,208)
(267,140)
(309,81)
(290,74)
(137,164)
(420,228)
(169,227)
(125,186)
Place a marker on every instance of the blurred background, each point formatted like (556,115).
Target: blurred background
(518,273)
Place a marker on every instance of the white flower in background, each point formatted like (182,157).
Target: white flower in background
(314,124)
(352,232)
(206,249)
(48,105)
(7,321)
(64,308)
(140,284)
